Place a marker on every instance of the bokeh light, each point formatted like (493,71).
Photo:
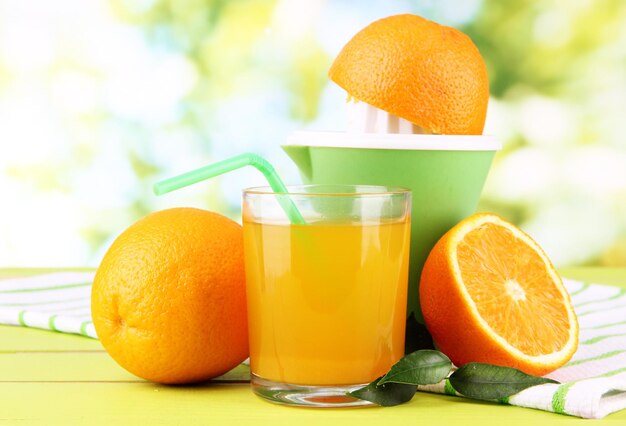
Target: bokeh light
(100,99)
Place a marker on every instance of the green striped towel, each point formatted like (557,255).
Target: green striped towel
(59,301)
(593,383)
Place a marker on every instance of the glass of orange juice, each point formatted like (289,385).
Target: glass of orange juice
(326,298)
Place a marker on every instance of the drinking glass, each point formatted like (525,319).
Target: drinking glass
(326,298)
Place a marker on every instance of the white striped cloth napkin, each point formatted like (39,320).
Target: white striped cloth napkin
(59,301)
(593,383)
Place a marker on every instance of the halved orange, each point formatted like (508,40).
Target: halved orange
(489,294)
(429,74)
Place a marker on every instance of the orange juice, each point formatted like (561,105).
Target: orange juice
(326,301)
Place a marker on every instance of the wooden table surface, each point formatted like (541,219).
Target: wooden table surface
(53,378)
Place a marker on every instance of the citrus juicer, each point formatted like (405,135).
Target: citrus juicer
(446,173)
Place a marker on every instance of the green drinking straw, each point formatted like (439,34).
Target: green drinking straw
(228,165)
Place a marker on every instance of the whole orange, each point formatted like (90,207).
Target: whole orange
(169,301)
(429,74)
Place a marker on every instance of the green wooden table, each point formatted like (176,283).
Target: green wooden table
(53,378)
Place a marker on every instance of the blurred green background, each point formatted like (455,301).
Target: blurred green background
(101,98)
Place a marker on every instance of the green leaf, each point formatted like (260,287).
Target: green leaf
(488,382)
(422,367)
(387,395)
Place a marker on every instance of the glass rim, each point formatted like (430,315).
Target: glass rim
(298,190)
